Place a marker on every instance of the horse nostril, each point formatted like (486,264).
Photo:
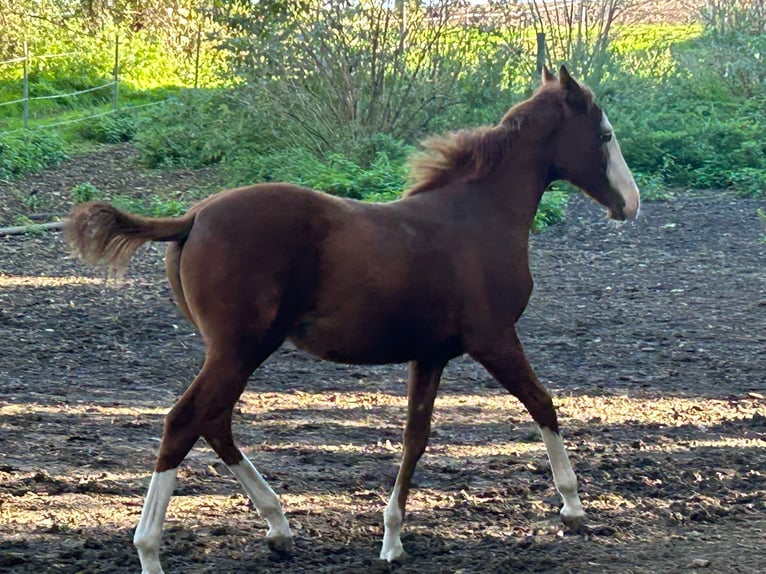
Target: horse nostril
(631,210)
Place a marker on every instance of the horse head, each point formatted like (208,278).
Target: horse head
(585,149)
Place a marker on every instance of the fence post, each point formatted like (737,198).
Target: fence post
(540,54)
(116,93)
(25,84)
(196,56)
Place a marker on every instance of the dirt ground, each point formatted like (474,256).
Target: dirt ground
(651,337)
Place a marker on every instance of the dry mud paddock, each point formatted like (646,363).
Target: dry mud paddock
(651,337)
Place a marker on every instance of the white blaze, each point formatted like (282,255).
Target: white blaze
(618,172)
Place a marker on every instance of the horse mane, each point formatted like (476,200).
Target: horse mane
(463,155)
(471,154)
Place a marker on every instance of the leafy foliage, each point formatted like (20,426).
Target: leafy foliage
(155,206)
(749,182)
(335,95)
(698,123)
(158,41)
(111,128)
(381,180)
(191,131)
(653,187)
(24,152)
(392,71)
(83,192)
(552,208)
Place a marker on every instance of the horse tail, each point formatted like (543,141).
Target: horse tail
(101,234)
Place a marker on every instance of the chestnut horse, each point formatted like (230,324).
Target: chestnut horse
(442,272)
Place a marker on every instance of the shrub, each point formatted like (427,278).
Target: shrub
(29,151)
(749,182)
(111,128)
(382,179)
(367,149)
(85,192)
(690,130)
(652,187)
(156,206)
(552,208)
(388,73)
(689,109)
(195,129)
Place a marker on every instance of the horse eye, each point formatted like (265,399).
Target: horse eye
(605,137)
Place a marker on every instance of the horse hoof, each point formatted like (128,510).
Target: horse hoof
(394,553)
(575,524)
(280,545)
(392,557)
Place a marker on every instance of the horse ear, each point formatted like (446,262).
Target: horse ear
(575,95)
(567,82)
(547,76)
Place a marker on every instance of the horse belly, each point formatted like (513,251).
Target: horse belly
(371,339)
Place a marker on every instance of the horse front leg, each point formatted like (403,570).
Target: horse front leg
(508,364)
(565,479)
(424,380)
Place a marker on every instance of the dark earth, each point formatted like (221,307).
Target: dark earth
(651,336)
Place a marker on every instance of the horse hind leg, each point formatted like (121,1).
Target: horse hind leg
(219,437)
(149,530)
(212,394)
(173,269)
(510,367)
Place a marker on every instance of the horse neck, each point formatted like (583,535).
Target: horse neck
(514,189)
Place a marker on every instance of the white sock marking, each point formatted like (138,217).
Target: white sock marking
(149,530)
(264,498)
(618,173)
(563,476)
(392,521)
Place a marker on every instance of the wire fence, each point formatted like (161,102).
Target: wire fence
(27,99)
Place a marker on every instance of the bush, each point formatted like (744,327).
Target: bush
(156,206)
(387,74)
(652,187)
(29,151)
(698,126)
(383,179)
(195,129)
(552,208)
(749,182)
(111,128)
(368,149)
(85,192)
